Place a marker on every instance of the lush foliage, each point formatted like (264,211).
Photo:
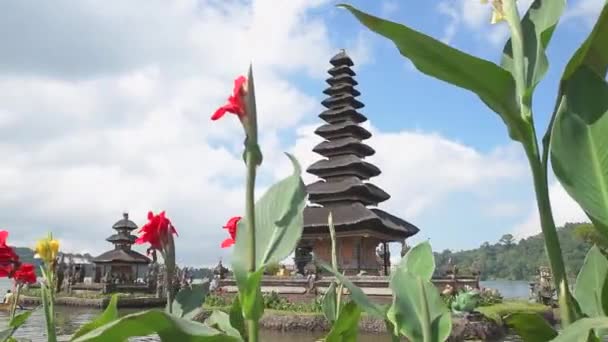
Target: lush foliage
(272,301)
(576,143)
(520,260)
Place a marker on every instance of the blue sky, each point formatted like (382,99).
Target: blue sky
(104,108)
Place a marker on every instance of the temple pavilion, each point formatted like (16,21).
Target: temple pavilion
(121,265)
(343,188)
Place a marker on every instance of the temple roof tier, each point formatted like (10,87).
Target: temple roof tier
(342,146)
(120,238)
(349,190)
(356,218)
(342,69)
(343,129)
(341,101)
(125,223)
(342,167)
(341,59)
(341,88)
(343,78)
(346,113)
(122,256)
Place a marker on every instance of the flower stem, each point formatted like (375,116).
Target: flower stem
(538,166)
(252,324)
(15,301)
(169,258)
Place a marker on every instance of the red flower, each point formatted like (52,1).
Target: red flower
(231,226)
(156,230)
(25,274)
(8,257)
(235,104)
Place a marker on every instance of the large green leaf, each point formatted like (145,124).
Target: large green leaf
(236,317)
(110,314)
(250,293)
(494,85)
(580,330)
(329,303)
(221,321)
(168,327)
(591,282)
(538,25)
(419,261)
(346,327)
(278,222)
(13,325)
(531,327)
(418,312)
(190,299)
(579,135)
(356,294)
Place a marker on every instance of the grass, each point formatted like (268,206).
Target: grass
(497,311)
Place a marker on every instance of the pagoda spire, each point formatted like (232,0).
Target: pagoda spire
(344,189)
(344,170)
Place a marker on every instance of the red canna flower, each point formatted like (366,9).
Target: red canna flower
(155,231)
(235,104)
(231,227)
(25,274)
(8,257)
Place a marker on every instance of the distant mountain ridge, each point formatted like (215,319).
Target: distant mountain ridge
(512,260)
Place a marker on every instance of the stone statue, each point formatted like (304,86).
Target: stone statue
(60,273)
(303,255)
(220,270)
(542,290)
(404,248)
(311,279)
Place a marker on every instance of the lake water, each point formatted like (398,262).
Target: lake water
(70,318)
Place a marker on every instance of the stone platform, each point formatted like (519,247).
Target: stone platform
(101,303)
(376,287)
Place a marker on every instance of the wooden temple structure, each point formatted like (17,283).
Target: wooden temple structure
(121,265)
(344,188)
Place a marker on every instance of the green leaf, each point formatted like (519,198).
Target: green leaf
(356,294)
(236,317)
(580,330)
(346,327)
(189,299)
(250,293)
(418,312)
(19,319)
(390,329)
(221,321)
(579,135)
(110,314)
(278,222)
(538,25)
(419,261)
(531,327)
(168,327)
(329,303)
(14,324)
(494,85)
(591,282)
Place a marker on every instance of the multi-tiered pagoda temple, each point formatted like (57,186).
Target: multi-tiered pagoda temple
(343,189)
(121,264)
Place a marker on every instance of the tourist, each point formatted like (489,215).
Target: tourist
(8,297)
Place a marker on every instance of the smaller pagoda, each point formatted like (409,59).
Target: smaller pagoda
(344,189)
(122,265)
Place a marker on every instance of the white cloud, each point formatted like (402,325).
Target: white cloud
(565,210)
(587,10)
(105,108)
(427,169)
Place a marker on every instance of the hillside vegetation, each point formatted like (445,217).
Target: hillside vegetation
(519,260)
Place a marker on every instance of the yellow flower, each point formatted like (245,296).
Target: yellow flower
(47,249)
(498,13)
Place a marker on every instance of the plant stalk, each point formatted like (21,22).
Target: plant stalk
(552,244)
(538,166)
(15,301)
(169,257)
(252,324)
(427,335)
